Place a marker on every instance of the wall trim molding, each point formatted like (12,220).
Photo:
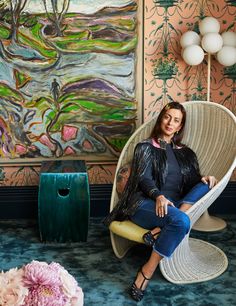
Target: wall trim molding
(21,202)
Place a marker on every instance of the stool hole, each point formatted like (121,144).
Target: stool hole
(63,192)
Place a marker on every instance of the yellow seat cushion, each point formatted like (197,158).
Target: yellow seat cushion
(128,230)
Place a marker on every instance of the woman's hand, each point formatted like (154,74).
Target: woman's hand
(210,180)
(161,205)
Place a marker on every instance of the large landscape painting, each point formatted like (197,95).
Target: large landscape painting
(67,77)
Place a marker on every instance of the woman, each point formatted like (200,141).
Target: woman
(164,182)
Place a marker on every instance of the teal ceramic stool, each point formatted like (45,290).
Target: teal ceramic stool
(64,202)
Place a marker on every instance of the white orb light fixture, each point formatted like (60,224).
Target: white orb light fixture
(193,55)
(223,47)
(189,38)
(212,42)
(209,25)
(229,38)
(227,56)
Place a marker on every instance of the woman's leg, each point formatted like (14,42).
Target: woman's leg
(185,206)
(196,193)
(148,269)
(174,226)
(155,231)
(147,210)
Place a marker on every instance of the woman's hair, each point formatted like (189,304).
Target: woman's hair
(156,132)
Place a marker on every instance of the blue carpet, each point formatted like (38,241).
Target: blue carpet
(105,279)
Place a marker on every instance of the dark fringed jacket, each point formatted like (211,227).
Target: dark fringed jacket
(148,173)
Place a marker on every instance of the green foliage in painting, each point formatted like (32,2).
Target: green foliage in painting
(21,78)
(4,32)
(76,107)
(96,45)
(6,91)
(118,143)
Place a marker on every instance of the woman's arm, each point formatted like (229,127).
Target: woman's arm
(194,176)
(143,155)
(209,179)
(147,183)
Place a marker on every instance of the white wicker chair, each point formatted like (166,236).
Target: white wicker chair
(211,132)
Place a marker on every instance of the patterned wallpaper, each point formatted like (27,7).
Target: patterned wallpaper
(166,76)
(29,175)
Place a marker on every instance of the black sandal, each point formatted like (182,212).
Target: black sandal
(149,239)
(135,292)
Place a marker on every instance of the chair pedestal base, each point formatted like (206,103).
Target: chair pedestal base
(207,223)
(194,261)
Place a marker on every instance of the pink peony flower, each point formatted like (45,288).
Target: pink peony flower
(69,284)
(39,284)
(14,276)
(12,290)
(13,295)
(78,299)
(45,296)
(41,273)
(71,289)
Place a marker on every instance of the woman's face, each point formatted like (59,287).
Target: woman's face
(171,123)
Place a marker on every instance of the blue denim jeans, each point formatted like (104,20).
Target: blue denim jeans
(174,225)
